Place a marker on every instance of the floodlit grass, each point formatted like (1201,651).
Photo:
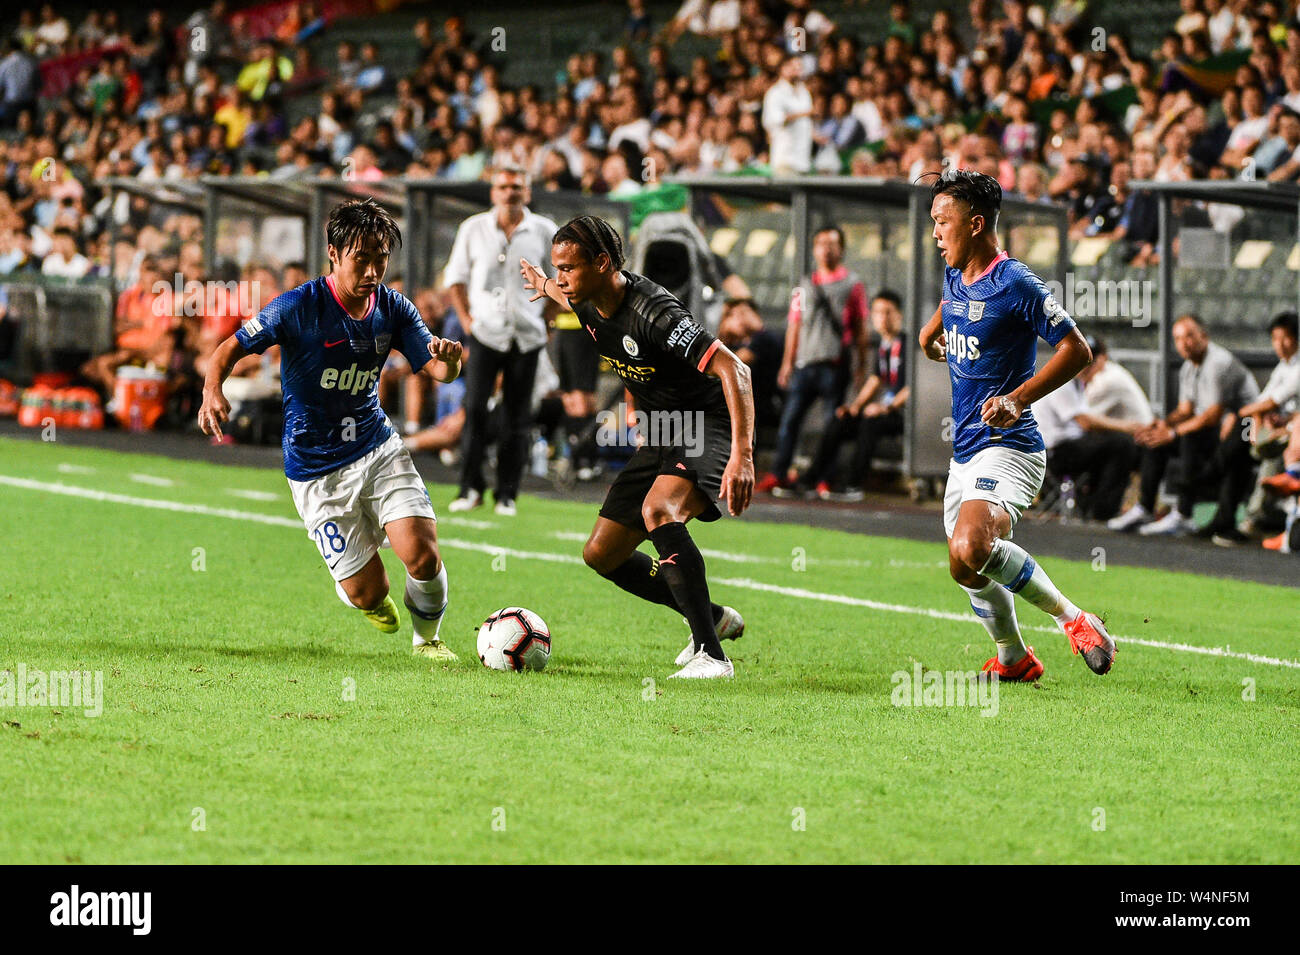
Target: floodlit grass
(249,717)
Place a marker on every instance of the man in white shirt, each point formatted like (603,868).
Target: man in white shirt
(1203,432)
(65,261)
(1087,448)
(787,117)
(1269,414)
(506,331)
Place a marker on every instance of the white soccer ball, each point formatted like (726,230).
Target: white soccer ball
(514,639)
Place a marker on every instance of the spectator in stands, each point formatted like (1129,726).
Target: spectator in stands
(144,328)
(787,117)
(506,330)
(266,72)
(52,34)
(1269,415)
(1275,157)
(66,260)
(873,413)
(1202,432)
(347,67)
(19,82)
(638,23)
(614,173)
(1139,224)
(373,77)
(1088,426)
(826,331)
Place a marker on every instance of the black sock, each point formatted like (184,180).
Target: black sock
(682,568)
(639,575)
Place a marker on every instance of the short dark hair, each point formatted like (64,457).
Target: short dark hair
(355,221)
(1287,320)
(982,193)
(831,227)
(593,235)
(890,296)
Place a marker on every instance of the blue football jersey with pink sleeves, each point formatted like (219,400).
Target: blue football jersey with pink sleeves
(992,328)
(329,370)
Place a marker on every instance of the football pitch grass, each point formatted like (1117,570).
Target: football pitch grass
(247,716)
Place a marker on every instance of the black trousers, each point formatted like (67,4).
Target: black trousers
(1100,463)
(865,433)
(1210,468)
(518,371)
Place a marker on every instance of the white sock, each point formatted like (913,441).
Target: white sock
(1011,566)
(996,608)
(343,595)
(427,601)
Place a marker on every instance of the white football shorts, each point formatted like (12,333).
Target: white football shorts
(345,511)
(1004,476)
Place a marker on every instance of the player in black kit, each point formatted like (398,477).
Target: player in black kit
(696,395)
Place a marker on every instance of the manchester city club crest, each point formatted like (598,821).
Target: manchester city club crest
(974,311)
(381,343)
(630,346)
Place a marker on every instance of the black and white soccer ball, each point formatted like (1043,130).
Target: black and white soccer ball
(514,638)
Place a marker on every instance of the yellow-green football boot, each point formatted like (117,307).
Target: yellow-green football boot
(385,617)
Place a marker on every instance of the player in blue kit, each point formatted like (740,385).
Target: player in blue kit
(352,480)
(986,328)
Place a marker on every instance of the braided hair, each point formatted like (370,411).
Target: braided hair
(594,236)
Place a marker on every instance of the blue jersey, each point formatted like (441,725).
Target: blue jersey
(329,370)
(992,328)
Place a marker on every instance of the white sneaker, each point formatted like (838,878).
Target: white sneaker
(1135,515)
(505,508)
(1172,524)
(704,667)
(471,500)
(731,626)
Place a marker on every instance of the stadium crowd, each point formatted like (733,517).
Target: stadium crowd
(1057,107)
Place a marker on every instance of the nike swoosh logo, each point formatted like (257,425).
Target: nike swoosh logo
(668,560)
(332,344)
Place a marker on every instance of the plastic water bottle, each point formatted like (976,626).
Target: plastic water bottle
(537,460)
(1068,503)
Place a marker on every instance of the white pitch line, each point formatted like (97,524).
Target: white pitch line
(75,469)
(253,495)
(742,582)
(784,561)
(468,522)
(153,479)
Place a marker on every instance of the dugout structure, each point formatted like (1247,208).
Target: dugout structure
(1229,252)
(763,228)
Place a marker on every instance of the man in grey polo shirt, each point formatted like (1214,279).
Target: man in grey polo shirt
(506,331)
(1203,432)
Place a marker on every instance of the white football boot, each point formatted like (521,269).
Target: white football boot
(731,626)
(1130,519)
(704,667)
(471,500)
(1172,524)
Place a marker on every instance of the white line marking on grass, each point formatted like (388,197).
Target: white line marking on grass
(784,561)
(177,506)
(468,522)
(253,495)
(486,548)
(75,469)
(154,480)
